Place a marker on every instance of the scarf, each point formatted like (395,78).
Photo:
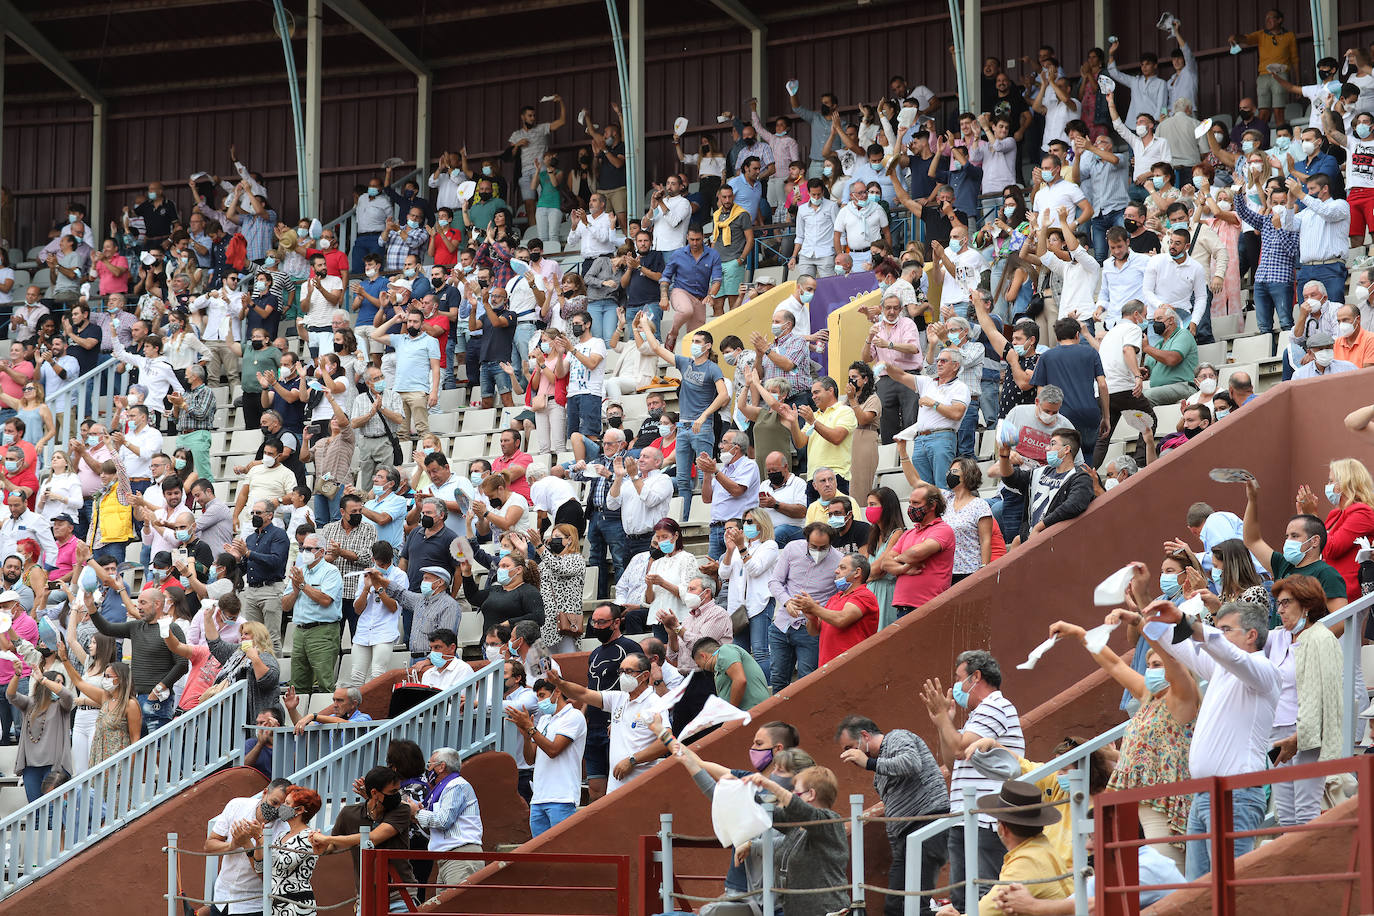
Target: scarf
(721,231)
(432,796)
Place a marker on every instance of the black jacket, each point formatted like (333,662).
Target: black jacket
(1069,501)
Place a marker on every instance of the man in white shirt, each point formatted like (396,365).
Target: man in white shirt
(1183,84)
(1321,358)
(1232,732)
(56,368)
(21,522)
(962,265)
(1149,93)
(1123,275)
(237,837)
(668,215)
(154,372)
(137,447)
(1324,226)
(798,305)
(216,315)
(782,495)
(1122,365)
(858,224)
(943,401)
(444,666)
(1057,193)
(592,230)
(1147,147)
(1077,269)
(634,748)
(642,492)
(1178,281)
(446,178)
(815,227)
(555,742)
(321,297)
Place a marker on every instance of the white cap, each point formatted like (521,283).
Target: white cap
(8,595)
(401,282)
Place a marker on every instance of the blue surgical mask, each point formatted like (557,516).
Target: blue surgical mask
(1063,780)
(409,271)
(503,552)
(546,346)
(183,536)
(1247,146)
(475,477)
(1052,459)
(836,521)
(425,588)
(486,170)
(874,197)
(152,195)
(665,430)
(1157,181)
(1283,143)
(665,547)
(827,170)
(1168,584)
(547,707)
(413,223)
(1333,496)
(1216,575)
(955,246)
(7,438)
(1047,174)
(807,296)
(1156,680)
(1220,412)
(92,441)
(89,580)
(698,351)
(179,464)
(213,575)
(373,192)
(269,261)
(954,338)
(751,531)
(502,575)
(1008,210)
(1292,551)
(378,489)
(436,658)
(11,465)
(960,695)
(1020,349)
(841,583)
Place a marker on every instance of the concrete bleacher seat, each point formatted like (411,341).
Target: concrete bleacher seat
(466,448)
(453,399)
(444,423)
(1225,373)
(1214,353)
(481,420)
(244,442)
(1166,417)
(1252,349)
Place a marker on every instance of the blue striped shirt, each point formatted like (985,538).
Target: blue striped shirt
(1278,247)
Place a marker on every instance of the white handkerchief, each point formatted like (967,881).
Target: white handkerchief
(792,87)
(713,712)
(1096,638)
(1112,590)
(1038,651)
(547,98)
(1193,607)
(1106,83)
(9,656)
(1157,629)
(679,127)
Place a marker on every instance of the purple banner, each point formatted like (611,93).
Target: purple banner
(832,293)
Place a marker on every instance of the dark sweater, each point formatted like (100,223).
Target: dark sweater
(154,663)
(498,604)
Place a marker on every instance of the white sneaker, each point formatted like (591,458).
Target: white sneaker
(1368,712)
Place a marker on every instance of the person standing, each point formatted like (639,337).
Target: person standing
(417,369)
(700,397)
(264,554)
(894,341)
(452,816)
(1277,47)
(633,748)
(555,745)
(1121,350)
(603,672)
(807,565)
(315,599)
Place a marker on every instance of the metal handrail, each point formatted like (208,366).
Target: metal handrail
(76,815)
(467,717)
(291,751)
(75,409)
(343,224)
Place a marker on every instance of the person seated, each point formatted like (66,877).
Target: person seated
(444,666)
(345,708)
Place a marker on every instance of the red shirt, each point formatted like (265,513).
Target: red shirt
(335,261)
(442,255)
(835,640)
(1342,527)
(440,321)
(25,476)
(916,588)
(521,486)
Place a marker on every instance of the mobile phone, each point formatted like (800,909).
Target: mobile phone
(181,554)
(1274,754)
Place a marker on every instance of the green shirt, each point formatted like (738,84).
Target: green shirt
(756,685)
(1161,374)
(549,198)
(254,361)
(481,214)
(1333,583)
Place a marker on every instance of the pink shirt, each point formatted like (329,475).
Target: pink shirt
(10,386)
(903,332)
(27,628)
(90,480)
(109,281)
(521,486)
(204,667)
(915,589)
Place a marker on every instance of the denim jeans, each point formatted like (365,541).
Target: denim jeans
(967,439)
(1271,298)
(754,638)
(448,379)
(933,453)
(1099,225)
(689,446)
(544,815)
(33,781)
(155,714)
(605,535)
(1013,513)
(1247,807)
(603,318)
(10,716)
(786,534)
(715,542)
(1331,276)
(363,245)
(326,509)
(794,648)
(520,348)
(584,415)
(493,380)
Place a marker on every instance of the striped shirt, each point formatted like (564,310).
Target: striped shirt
(199,412)
(1278,247)
(362,404)
(908,780)
(994,718)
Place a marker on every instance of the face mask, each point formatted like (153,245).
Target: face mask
(615,422)
(425,588)
(269,261)
(1156,681)
(1216,575)
(389,802)
(836,521)
(1362,130)
(961,695)
(413,223)
(698,351)
(627,682)
(1218,414)
(1109,483)
(1053,459)
(1130,225)
(665,547)
(577,329)
(409,271)
(1207,385)
(11,465)
(873,197)
(373,192)
(269,461)
(1141,130)
(955,245)
(547,707)
(502,575)
(183,536)
(1158,327)
(1157,181)
(267,812)
(1047,174)
(1063,780)
(1008,210)
(775,328)
(1325,358)
(378,490)
(916,513)
(841,583)
(1297,628)
(1333,496)
(307,557)
(1345,328)
(952,480)
(486,170)
(664,430)
(954,339)
(428,521)
(258,522)
(1168,584)
(816,555)
(475,477)
(1247,146)
(827,171)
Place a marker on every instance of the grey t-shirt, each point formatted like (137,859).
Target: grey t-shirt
(532,153)
(731,252)
(1025,417)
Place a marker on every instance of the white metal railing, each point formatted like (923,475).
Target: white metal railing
(345,224)
(467,717)
(77,814)
(291,752)
(69,417)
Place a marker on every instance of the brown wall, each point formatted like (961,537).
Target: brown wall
(1285,437)
(696,72)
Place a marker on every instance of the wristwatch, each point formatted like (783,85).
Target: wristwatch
(633,762)
(531,730)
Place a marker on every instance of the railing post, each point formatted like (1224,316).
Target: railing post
(1082,829)
(1350,641)
(665,843)
(1364,814)
(768,905)
(1223,851)
(172,874)
(856,850)
(970,850)
(365,885)
(911,906)
(266,873)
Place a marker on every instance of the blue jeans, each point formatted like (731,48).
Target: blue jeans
(520,348)
(1247,807)
(795,648)
(968,434)
(363,246)
(754,638)
(689,446)
(493,379)
(33,781)
(603,318)
(155,714)
(933,453)
(1331,276)
(584,416)
(715,541)
(1271,298)
(448,380)
(1099,225)
(10,716)
(786,534)
(327,510)
(605,534)
(1013,513)
(544,815)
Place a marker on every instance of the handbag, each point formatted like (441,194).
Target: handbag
(327,487)
(397,456)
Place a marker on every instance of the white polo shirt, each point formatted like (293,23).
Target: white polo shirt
(558,780)
(1051,197)
(860,227)
(930,418)
(629,736)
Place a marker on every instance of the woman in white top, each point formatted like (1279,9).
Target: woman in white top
(95,658)
(328,376)
(710,166)
(748,561)
(639,363)
(551,364)
(6,278)
(60,494)
(378,606)
(183,348)
(506,509)
(671,569)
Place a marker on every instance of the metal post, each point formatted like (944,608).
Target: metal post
(768,905)
(424,84)
(912,906)
(364,885)
(970,850)
(1350,641)
(95,214)
(665,842)
(758,63)
(856,850)
(1082,828)
(172,908)
(294,89)
(266,873)
(1325,39)
(1101,25)
(314,56)
(634,123)
(973,47)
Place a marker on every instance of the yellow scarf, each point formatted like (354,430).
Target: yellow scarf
(721,232)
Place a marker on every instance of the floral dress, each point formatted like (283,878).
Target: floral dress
(293,862)
(1154,750)
(111,733)
(968,544)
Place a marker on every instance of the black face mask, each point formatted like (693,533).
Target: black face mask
(258,522)
(536,256)
(1246,115)
(389,802)
(494,502)
(355,519)
(1158,327)
(428,521)
(555,545)
(1130,225)
(916,513)
(775,478)
(655,413)
(1190,433)
(615,422)
(601,634)
(952,480)
(265,430)
(258,344)
(577,329)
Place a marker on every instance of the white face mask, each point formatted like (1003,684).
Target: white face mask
(1360,294)
(1324,358)
(269,461)
(1207,385)
(1045,418)
(1345,328)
